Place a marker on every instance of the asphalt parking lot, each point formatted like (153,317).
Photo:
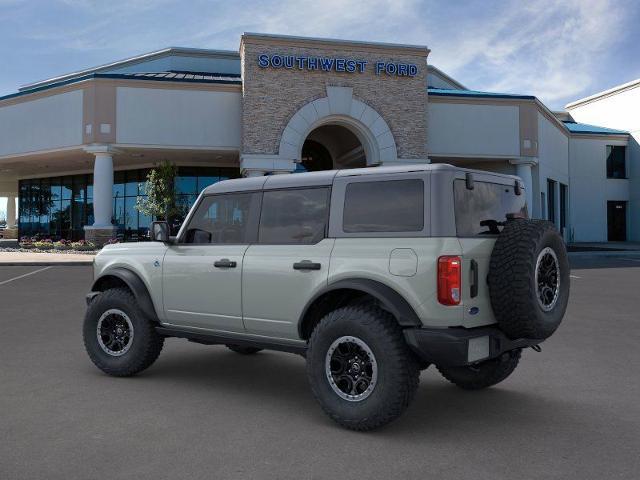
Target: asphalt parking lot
(570,412)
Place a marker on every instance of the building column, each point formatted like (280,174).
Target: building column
(102,229)
(523,170)
(11,211)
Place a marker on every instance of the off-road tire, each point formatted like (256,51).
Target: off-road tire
(484,374)
(243,350)
(398,372)
(512,279)
(145,346)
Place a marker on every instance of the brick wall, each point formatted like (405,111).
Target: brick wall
(271,96)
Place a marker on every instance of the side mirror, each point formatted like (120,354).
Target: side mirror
(160,232)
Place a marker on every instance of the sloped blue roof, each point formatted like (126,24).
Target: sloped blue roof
(444,92)
(585,128)
(170,76)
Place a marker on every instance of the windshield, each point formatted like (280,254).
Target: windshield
(483,210)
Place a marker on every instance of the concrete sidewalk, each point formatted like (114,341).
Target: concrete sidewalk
(37,259)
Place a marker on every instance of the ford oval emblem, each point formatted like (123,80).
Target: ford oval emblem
(474,311)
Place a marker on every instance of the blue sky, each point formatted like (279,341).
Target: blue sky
(557,50)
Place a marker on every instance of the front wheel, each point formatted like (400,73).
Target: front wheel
(120,340)
(360,369)
(484,374)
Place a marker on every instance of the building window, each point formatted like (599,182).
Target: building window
(563,206)
(551,200)
(616,161)
(59,207)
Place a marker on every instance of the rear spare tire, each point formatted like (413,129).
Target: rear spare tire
(529,279)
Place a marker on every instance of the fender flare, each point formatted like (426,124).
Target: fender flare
(390,300)
(135,284)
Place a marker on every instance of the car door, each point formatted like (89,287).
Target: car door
(289,263)
(202,272)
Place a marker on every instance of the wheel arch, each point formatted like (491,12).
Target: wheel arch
(343,291)
(123,277)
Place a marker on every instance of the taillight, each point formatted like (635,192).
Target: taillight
(449,282)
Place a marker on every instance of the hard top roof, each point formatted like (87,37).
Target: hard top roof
(325,178)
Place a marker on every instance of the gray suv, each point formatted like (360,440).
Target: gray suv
(371,274)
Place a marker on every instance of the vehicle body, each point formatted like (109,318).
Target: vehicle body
(262,262)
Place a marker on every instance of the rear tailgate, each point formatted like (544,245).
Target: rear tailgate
(476,254)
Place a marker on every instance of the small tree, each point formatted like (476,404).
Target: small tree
(160,200)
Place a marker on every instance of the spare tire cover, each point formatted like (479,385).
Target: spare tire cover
(529,279)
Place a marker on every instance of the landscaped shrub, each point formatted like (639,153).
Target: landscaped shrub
(62,245)
(43,244)
(83,245)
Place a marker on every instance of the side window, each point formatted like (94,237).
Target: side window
(226,218)
(387,206)
(295,216)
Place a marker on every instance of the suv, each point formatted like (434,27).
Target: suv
(371,274)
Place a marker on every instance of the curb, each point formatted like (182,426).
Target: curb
(606,253)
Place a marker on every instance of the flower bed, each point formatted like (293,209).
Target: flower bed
(46,245)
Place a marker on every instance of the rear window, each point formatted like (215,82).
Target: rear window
(389,206)
(483,210)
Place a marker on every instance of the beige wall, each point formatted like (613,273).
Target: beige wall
(271,96)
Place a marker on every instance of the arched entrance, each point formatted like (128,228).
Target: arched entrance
(332,147)
(336,130)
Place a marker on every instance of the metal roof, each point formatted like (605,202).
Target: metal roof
(222,78)
(584,128)
(475,93)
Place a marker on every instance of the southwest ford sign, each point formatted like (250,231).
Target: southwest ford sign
(333,64)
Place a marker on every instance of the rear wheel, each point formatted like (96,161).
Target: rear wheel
(360,369)
(118,337)
(242,350)
(484,374)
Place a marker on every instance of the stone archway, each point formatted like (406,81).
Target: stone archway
(339,108)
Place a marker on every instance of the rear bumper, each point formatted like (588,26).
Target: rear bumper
(461,346)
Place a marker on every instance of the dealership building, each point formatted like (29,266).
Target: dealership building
(75,149)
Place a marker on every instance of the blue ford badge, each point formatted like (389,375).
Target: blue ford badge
(474,311)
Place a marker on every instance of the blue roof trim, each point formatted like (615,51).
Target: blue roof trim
(227,80)
(444,92)
(585,128)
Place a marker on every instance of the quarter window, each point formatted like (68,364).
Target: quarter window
(224,219)
(295,216)
(387,206)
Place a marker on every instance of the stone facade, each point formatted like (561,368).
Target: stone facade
(271,96)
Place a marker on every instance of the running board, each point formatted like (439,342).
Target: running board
(219,339)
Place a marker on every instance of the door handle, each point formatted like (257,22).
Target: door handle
(306,265)
(224,263)
(474,279)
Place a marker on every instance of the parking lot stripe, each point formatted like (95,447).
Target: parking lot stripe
(574,276)
(25,275)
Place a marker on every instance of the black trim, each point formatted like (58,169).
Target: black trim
(207,338)
(389,299)
(449,346)
(135,284)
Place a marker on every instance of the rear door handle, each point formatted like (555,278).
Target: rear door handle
(474,279)
(306,265)
(225,263)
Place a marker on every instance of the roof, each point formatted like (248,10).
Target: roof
(186,77)
(584,128)
(165,52)
(436,71)
(326,177)
(475,93)
(604,93)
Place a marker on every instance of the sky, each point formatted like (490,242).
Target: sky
(557,50)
